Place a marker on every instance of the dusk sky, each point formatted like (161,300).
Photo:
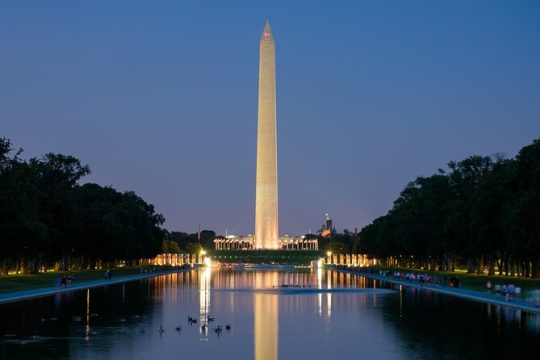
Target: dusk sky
(160,97)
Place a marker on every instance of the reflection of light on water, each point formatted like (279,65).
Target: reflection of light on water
(87,329)
(533,323)
(204,295)
(266,308)
(173,288)
(375,285)
(328,297)
(400,301)
(498,310)
(319,286)
(504,315)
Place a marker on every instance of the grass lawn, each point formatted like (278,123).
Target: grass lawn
(10,283)
(473,281)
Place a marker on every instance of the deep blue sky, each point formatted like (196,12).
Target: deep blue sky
(160,97)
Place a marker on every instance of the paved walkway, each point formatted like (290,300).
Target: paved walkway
(484,297)
(34,293)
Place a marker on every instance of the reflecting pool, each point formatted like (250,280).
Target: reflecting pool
(250,314)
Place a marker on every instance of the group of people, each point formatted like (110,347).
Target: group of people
(509,291)
(64,281)
(506,290)
(422,278)
(425,278)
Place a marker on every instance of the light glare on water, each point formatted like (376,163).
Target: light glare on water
(266,321)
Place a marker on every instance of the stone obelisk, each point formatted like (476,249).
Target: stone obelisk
(266,198)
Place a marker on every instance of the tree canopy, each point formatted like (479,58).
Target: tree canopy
(190,243)
(48,219)
(482,213)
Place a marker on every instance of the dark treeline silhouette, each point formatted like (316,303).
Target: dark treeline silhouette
(482,213)
(48,220)
(346,242)
(176,241)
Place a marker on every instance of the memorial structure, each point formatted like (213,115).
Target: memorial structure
(266,194)
(266,197)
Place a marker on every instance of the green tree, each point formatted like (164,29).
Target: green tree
(47,218)
(483,213)
(170,247)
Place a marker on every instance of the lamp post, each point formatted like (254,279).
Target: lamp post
(202,253)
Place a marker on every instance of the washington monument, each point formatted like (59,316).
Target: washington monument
(266,197)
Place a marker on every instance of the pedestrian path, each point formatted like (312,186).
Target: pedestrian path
(486,297)
(34,293)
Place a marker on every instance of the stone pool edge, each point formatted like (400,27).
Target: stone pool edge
(41,292)
(457,292)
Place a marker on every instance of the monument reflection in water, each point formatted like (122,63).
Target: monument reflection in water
(122,321)
(266,308)
(265,305)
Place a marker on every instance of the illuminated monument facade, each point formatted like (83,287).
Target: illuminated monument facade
(266,197)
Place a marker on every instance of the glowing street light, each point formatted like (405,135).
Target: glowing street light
(329,257)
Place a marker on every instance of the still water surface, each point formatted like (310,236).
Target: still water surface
(123,321)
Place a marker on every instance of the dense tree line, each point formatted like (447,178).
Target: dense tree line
(48,219)
(346,242)
(177,241)
(482,213)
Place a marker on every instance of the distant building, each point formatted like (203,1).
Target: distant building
(327,228)
(233,242)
